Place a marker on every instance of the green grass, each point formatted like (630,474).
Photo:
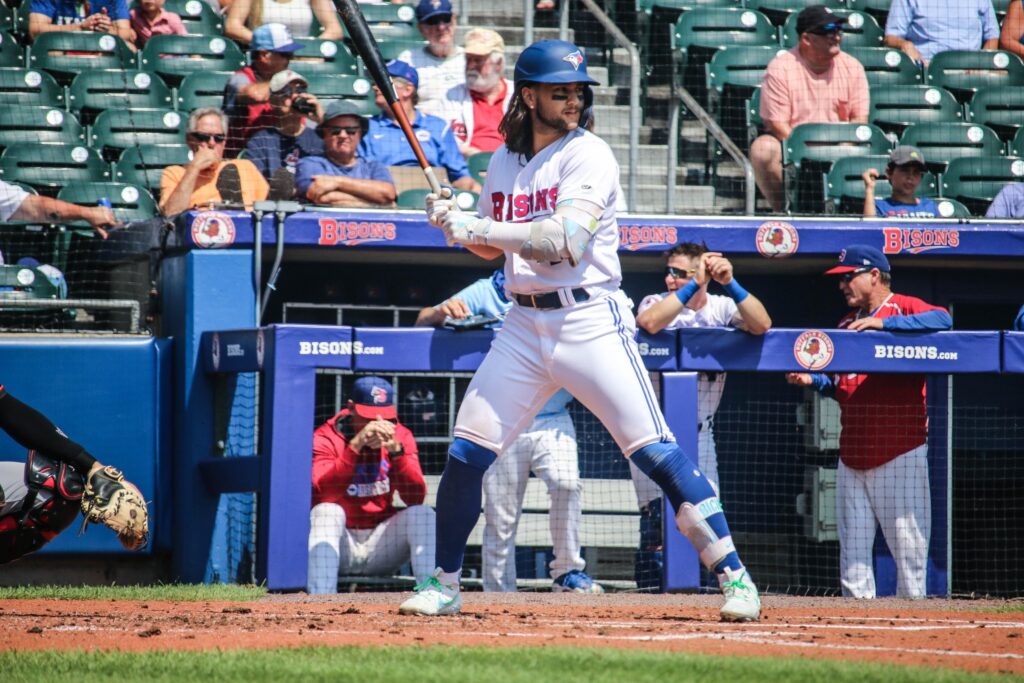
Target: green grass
(175,592)
(452,665)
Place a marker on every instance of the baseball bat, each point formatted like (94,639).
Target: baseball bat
(366,46)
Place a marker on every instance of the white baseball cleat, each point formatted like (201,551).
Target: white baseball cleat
(742,603)
(433,598)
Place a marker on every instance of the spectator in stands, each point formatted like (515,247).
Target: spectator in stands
(100,16)
(18,205)
(247,94)
(151,19)
(340,177)
(361,457)
(474,108)
(291,138)
(691,265)
(546,447)
(243,16)
(1011,37)
(1009,203)
(441,63)
(385,142)
(905,171)
(883,451)
(924,28)
(208,178)
(815,82)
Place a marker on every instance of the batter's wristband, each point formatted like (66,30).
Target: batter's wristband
(687,291)
(735,291)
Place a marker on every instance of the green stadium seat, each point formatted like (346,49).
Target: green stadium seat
(202,89)
(478,165)
(20,27)
(951,208)
(1017,144)
(416,199)
(324,57)
(886,67)
(1001,109)
(965,72)
(21,125)
(942,142)
(128,202)
(733,74)
(844,185)
(30,87)
(390,49)
(976,181)
(94,91)
(49,167)
(879,9)
(118,129)
(66,54)
(657,18)
(812,149)
(862,30)
(388,32)
(16,286)
(388,13)
(175,57)
(144,164)
(780,11)
(893,109)
(753,112)
(328,87)
(11,53)
(197,16)
(7,21)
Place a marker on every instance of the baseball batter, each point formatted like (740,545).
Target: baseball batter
(882,476)
(548,205)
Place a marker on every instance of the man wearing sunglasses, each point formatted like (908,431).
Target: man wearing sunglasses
(441,63)
(815,82)
(340,177)
(690,265)
(292,136)
(883,451)
(208,178)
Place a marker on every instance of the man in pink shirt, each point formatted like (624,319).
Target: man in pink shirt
(815,82)
(151,19)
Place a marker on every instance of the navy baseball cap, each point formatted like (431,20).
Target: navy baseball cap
(858,256)
(273,38)
(374,397)
(432,8)
(818,19)
(404,71)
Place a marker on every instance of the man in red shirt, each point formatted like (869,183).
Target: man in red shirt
(883,450)
(361,457)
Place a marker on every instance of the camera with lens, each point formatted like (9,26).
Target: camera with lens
(304,105)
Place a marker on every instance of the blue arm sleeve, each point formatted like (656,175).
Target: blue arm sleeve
(304,173)
(929,320)
(823,384)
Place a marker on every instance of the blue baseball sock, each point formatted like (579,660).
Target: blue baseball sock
(459,497)
(683,482)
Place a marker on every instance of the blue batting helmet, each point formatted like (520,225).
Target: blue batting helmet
(552,61)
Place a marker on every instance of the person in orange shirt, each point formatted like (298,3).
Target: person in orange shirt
(208,178)
(815,82)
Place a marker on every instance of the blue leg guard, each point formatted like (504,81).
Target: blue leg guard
(459,496)
(697,509)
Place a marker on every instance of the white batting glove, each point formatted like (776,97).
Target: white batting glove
(465,228)
(438,205)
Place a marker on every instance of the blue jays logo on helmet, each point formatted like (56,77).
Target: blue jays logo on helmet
(574,58)
(552,61)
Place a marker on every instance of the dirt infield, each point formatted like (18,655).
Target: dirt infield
(949,634)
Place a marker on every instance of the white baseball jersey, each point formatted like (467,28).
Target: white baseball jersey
(437,75)
(579,166)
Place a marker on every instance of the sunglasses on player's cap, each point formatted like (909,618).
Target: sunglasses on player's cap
(819,20)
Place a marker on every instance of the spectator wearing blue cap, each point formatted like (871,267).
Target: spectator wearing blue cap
(441,63)
(99,16)
(361,457)
(247,94)
(905,171)
(243,16)
(385,142)
(340,177)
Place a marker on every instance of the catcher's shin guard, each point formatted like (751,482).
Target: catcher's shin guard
(51,505)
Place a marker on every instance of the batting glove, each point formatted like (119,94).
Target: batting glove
(465,228)
(438,205)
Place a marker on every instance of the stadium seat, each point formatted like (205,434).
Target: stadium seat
(733,74)
(478,165)
(657,18)
(94,91)
(21,125)
(879,9)
(143,165)
(1001,109)
(862,30)
(20,27)
(11,54)
(965,72)
(329,87)
(416,198)
(128,202)
(812,148)
(753,112)
(976,181)
(118,129)
(1017,144)
(886,67)
(324,57)
(197,16)
(202,89)
(49,167)
(893,109)
(844,185)
(780,11)
(66,54)
(390,49)
(388,13)
(942,142)
(383,33)
(951,208)
(175,57)
(16,287)
(30,87)
(6,18)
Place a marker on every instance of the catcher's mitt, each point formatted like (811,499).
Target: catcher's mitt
(111,500)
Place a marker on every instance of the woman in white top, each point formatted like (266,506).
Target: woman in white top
(297,15)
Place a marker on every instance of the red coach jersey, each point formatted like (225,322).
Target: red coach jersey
(364,483)
(883,415)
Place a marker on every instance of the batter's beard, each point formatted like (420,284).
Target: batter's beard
(556,123)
